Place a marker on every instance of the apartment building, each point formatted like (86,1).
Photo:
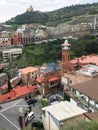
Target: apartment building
(9,54)
(29,75)
(5,38)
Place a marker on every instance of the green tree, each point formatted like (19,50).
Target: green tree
(66,97)
(9,85)
(83,126)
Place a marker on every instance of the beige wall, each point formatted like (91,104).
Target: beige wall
(5,41)
(72,121)
(49,123)
(77,78)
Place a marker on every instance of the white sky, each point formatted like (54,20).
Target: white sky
(11,8)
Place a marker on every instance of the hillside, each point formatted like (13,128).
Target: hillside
(74,14)
(45,52)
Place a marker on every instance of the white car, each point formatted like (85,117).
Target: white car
(30,116)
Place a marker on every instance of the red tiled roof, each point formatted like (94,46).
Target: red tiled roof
(53,79)
(18,92)
(40,79)
(24,90)
(86,59)
(28,70)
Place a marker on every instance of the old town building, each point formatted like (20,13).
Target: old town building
(9,54)
(28,75)
(50,78)
(16,38)
(5,38)
(76,63)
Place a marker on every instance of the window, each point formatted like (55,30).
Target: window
(70,82)
(44,113)
(73,91)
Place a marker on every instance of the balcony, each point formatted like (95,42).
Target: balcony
(52,85)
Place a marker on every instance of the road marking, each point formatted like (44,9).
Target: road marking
(11,106)
(10,121)
(17,102)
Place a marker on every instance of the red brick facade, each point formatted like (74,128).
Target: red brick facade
(17,39)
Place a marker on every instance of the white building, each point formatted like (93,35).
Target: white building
(11,53)
(61,115)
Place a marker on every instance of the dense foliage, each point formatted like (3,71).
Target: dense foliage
(37,54)
(56,17)
(84,126)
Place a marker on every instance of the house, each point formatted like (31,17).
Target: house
(61,115)
(16,39)
(28,75)
(3,79)
(86,94)
(25,92)
(5,38)
(76,63)
(50,78)
(85,73)
(14,82)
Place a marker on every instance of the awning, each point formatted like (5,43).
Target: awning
(53,79)
(40,79)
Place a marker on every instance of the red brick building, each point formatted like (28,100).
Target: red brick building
(17,39)
(76,63)
(50,78)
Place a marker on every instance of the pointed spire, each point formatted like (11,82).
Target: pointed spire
(66,42)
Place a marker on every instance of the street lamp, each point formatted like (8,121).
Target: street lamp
(21,114)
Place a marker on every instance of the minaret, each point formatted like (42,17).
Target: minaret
(66,52)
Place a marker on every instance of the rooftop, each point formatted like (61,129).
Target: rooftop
(3,74)
(53,66)
(28,70)
(90,70)
(88,88)
(64,110)
(90,59)
(17,93)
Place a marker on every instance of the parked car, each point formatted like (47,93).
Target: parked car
(30,116)
(32,101)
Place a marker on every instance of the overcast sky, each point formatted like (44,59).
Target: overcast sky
(11,8)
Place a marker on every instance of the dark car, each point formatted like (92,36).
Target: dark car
(32,101)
